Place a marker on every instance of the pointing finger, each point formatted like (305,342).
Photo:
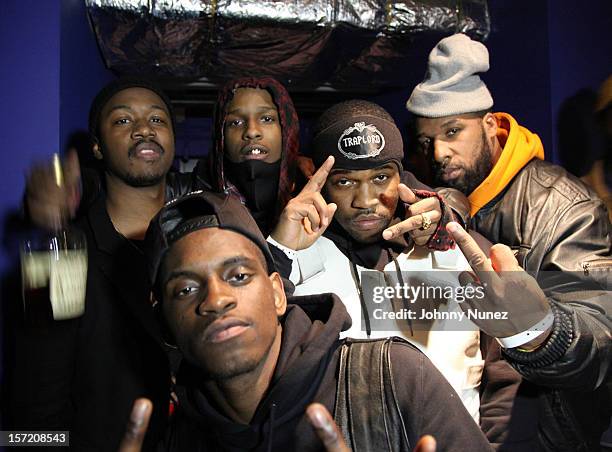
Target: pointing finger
(401,228)
(406,194)
(137,426)
(325,427)
(317,181)
(502,259)
(475,256)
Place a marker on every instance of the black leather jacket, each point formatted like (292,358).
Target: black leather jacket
(556,225)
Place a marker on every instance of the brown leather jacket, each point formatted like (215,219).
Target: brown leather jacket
(561,234)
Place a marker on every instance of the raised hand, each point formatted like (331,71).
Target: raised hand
(422,219)
(307,215)
(51,203)
(507,289)
(137,426)
(328,432)
(326,428)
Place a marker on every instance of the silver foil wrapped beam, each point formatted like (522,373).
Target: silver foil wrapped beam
(340,43)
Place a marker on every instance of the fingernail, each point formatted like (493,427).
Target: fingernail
(452,227)
(138,413)
(318,419)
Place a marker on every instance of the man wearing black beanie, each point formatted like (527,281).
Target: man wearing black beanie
(358,201)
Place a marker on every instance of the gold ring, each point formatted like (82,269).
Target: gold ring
(425,223)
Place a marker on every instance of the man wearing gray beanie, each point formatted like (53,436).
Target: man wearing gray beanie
(554,225)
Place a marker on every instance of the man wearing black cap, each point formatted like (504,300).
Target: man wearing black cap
(255,359)
(83,374)
(357,202)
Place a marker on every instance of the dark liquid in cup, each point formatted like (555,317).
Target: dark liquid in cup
(37,307)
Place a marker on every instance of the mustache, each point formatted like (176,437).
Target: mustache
(439,167)
(132,150)
(365,213)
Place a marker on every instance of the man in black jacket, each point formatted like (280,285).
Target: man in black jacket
(556,226)
(253,363)
(83,374)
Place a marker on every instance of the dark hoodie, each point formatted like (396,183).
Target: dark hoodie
(213,172)
(306,372)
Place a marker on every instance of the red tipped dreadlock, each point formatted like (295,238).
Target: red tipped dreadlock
(290,135)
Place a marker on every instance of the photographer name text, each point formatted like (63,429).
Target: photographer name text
(423,314)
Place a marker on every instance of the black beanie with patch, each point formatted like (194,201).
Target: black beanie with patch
(359,139)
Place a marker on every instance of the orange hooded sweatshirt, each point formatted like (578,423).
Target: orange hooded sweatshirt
(519,147)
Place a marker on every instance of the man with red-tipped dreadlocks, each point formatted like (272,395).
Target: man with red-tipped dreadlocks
(255,147)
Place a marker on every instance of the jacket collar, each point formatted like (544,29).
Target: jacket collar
(123,265)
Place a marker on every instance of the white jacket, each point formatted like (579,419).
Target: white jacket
(455,350)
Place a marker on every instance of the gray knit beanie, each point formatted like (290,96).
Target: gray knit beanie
(451,85)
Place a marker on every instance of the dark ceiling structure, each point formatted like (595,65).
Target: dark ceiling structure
(323,50)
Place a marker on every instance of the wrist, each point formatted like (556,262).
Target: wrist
(537,342)
(288,251)
(555,345)
(278,238)
(536,334)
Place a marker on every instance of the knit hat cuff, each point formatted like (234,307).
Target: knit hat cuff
(437,104)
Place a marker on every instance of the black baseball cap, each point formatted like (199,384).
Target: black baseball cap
(199,210)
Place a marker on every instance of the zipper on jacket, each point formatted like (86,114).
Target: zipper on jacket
(599,264)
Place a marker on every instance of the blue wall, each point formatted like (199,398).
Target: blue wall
(29,89)
(520,67)
(30,116)
(580,48)
(50,70)
(82,72)
(50,73)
